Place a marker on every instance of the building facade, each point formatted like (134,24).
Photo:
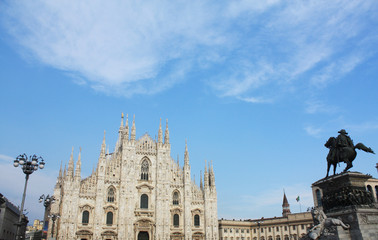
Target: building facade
(288,227)
(137,192)
(9,215)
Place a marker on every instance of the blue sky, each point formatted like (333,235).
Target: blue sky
(256,87)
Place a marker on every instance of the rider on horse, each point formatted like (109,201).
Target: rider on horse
(343,141)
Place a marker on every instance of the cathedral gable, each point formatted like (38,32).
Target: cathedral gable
(146,145)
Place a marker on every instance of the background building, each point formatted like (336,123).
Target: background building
(136,192)
(288,227)
(9,215)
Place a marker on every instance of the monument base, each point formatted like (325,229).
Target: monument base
(344,197)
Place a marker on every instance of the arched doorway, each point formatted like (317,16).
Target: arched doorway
(143,236)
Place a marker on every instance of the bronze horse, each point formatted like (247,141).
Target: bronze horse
(343,154)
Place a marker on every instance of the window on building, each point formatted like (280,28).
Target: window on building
(176,198)
(318,197)
(111,194)
(270,229)
(293,227)
(247,230)
(286,237)
(270,238)
(85,217)
(109,218)
(144,170)
(237,230)
(302,226)
(144,201)
(277,229)
(196,220)
(285,228)
(242,230)
(176,220)
(254,230)
(262,230)
(278,237)
(225,230)
(295,237)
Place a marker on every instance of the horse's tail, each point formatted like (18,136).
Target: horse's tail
(364,148)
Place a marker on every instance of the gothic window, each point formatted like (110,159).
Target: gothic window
(176,198)
(144,170)
(109,218)
(176,220)
(286,237)
(144,201)
(111,194)
(196,220)
(318,197)
(85,217)
(278,237)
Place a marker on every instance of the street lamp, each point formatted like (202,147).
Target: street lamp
(53,217)
(47,201)
(28,166)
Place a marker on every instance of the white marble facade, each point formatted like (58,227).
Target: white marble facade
(137,192)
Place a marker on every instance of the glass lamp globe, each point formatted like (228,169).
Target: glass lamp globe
(16,163)
(41,165)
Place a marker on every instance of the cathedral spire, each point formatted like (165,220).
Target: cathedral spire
(78,166)
(211,175)
(60,171)
(132,137)
(103,145)
(160,134)
(166,137)
(121,122)
(126,128)
(71,165)
(285,206)
(201,184)
(65,171)
(186,155)
(206,176)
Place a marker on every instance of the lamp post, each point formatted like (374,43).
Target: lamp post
(47,201)
(53,217)
(28,166)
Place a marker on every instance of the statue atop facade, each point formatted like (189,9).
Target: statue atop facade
(342,149)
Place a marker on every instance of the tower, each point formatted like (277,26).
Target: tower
(285,206)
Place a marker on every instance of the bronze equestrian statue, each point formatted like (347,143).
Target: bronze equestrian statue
(342,149)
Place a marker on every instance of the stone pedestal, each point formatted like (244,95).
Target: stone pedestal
(344,197)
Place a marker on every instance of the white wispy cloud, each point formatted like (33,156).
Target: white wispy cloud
(313,131)
(314,106)
(6,158)
(256,48)
(117,45)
